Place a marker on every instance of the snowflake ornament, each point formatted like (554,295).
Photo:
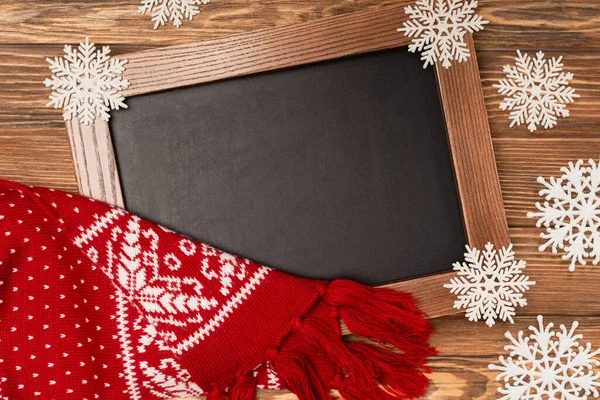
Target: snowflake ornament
(490,284)
(548,364)
(571,213)
(537,91)
(438,29)
(171,10)
(86,82)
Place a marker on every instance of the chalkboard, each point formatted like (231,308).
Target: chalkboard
(339,169)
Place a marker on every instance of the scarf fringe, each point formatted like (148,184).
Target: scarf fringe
(244,388)
(395,373)
(217,394)
(383,315)
(313,358)
(296,369)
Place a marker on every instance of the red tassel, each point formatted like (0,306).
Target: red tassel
(314,358)
(350,391)
(384,315)
(217,394)
(325,338)
(398,376)
(244,388)
(297,373)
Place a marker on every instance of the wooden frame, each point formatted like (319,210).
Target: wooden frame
(328,38)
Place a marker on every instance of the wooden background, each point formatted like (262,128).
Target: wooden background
(34,147)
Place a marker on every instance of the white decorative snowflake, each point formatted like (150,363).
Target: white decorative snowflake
(438,29)
(571,213)
(171,10)
(490,284)
(86,82)
(537,91)
(548,365)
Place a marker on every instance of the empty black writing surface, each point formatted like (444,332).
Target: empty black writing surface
(339,169)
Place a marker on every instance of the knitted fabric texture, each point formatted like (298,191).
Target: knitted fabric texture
(97,303)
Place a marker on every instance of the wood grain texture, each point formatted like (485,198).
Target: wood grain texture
(22,92)
(264,50)
(472,153)
(34,148)
(94,161)
(521,161)
(463,372)
(118,21)
(513,24)
(37,160)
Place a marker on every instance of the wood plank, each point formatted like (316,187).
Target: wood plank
(521,161)
(22,93)
(541,24)
(472,153)
(238,55)
(94,161)
(118,21)
(557,291)
(513,24)
(493,340)
(461,368)
(37,160)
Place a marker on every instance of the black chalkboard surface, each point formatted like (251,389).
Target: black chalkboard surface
(339,169)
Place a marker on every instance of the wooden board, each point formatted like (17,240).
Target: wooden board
(513,24)
(34,148)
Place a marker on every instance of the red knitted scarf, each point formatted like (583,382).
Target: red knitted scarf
(97,303)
